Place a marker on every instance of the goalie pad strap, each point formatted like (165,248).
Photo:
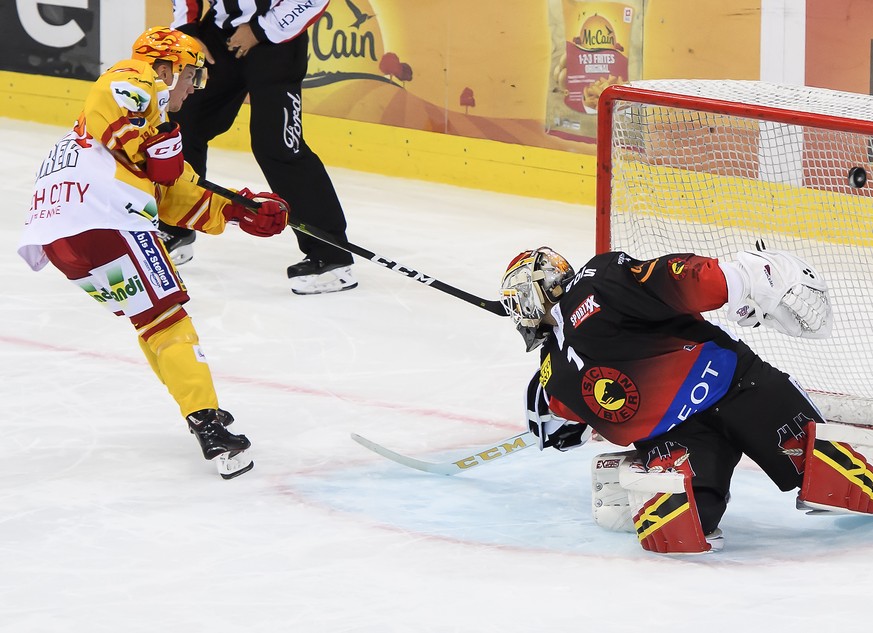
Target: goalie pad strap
(837,474)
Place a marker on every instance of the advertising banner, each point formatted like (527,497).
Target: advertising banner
(486,69)
(594,45)
(59,38)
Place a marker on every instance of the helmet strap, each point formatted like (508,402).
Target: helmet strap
(175,81)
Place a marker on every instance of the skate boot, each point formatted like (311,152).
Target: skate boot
(224,417)
(229,450)
(315,277)
(179,245)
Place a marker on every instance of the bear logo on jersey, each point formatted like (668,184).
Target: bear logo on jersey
(610,394)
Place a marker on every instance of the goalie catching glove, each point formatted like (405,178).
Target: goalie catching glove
(779,290)
(270,219)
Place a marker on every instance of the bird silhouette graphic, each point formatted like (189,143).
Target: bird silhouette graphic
(360,16)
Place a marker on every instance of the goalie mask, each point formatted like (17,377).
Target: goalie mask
(533,281)
(161,43)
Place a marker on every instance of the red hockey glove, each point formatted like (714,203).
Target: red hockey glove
(269,220)
(164,160)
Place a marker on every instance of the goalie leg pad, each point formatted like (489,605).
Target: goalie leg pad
(838,477)
(664,511)
(610,504)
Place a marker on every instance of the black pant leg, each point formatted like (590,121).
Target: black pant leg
(765,415)
(275,75)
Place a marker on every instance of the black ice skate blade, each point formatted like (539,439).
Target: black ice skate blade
(242,471)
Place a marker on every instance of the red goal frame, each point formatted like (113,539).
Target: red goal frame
(626,92)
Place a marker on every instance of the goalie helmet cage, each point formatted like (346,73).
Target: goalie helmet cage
(710,167)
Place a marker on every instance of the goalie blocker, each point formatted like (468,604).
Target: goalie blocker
(659,506)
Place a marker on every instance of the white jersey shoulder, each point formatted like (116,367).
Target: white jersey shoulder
(77,190)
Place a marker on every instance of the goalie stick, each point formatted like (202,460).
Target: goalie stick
(493,306)
(502,448)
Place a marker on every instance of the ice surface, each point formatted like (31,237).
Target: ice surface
(111,521)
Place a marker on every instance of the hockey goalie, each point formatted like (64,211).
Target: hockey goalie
(625,351)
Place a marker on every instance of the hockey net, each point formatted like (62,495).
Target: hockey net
(712,166)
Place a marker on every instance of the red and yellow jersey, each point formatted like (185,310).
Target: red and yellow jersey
(94,177)
(631,354)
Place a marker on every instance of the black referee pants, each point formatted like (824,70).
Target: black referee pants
(272,76)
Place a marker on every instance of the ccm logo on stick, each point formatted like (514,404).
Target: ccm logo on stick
(409,272)
(494,452)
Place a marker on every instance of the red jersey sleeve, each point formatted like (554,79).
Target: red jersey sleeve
(686,282)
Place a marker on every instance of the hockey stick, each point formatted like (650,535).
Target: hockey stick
(509,446)
(492,306)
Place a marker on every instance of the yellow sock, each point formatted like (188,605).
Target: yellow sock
(175,357)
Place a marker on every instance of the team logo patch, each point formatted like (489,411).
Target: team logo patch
(669,457)
(610,394)
(584,310)
(546,370)
(792,440)
(130,97)
(677,267)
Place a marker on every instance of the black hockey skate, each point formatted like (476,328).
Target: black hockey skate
(208,426)
(314,277)
(224,417)
(179,244)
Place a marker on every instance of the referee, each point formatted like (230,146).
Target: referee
(259,48)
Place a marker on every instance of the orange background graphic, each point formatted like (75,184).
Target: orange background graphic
(486,69)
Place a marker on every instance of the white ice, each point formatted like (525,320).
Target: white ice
(110,520)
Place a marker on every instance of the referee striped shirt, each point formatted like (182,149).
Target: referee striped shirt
(271,20)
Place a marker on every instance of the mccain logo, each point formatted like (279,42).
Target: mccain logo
(346,44)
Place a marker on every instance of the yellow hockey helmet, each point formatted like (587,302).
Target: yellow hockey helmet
(170,45)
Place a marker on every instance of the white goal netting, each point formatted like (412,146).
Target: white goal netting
(712,166)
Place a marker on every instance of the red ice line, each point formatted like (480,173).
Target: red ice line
(276,386)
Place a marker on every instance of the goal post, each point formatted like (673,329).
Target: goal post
(710,167)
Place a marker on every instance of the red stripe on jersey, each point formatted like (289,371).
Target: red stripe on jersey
(115,136)
(196,217)
(560,409)
(193,9)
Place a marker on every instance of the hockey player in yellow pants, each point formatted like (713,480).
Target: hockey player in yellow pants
(94,213)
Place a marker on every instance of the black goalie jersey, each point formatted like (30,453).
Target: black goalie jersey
(631,354)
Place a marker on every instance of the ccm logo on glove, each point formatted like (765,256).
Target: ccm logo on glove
(164,159)
(270,219)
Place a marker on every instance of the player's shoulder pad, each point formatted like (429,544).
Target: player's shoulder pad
(132,84)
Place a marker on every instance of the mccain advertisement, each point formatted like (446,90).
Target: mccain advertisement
(521,71)
(60,39)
